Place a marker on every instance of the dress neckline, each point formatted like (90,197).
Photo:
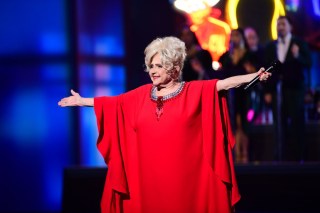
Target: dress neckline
(172,95)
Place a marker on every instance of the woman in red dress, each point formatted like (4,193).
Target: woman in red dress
(168,145)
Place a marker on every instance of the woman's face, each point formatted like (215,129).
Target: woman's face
(158,74)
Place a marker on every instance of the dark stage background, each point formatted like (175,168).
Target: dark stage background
(96,48)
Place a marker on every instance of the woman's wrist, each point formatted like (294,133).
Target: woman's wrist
(86,101)
(81,101)
(252,76)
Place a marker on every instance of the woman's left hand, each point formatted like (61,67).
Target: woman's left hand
(263,75)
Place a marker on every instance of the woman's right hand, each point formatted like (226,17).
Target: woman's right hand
(74,100)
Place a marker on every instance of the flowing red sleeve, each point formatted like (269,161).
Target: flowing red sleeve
(218,139)
(116,125)
(110,127)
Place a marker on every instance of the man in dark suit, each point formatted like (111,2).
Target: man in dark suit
(287,88)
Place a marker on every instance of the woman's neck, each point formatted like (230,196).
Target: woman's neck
(168,88)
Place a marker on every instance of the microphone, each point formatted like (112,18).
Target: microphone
(274,66)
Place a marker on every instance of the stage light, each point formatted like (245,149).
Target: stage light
(292,5)
(216,65)
(211,32)
(316,7)
(232,13)
(278,11)
(190,6)
(233,21)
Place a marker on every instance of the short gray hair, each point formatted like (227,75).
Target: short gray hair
(172,52)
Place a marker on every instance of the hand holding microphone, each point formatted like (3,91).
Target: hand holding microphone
(274,66)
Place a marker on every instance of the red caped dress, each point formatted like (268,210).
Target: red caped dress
(179,161)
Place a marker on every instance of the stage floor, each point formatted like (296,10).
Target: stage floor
(265,188)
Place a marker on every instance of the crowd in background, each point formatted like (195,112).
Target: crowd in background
(286,101)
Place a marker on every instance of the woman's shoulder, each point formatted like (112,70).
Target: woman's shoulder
(145,87)
(201,83)
(201,88)
(140,89)
(138,92)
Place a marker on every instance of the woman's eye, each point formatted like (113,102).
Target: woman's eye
(159,66)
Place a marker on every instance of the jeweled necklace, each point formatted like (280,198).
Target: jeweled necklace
(161,99)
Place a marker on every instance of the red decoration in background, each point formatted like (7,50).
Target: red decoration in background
(212,33)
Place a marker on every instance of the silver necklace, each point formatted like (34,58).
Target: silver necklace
(160,99)
(166,97)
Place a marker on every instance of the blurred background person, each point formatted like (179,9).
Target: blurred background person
(254,46)
(237,61)
(287,89)
(198,64)
(261,112)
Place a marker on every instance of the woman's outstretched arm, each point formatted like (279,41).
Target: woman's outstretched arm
(76,100)
(239,80)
